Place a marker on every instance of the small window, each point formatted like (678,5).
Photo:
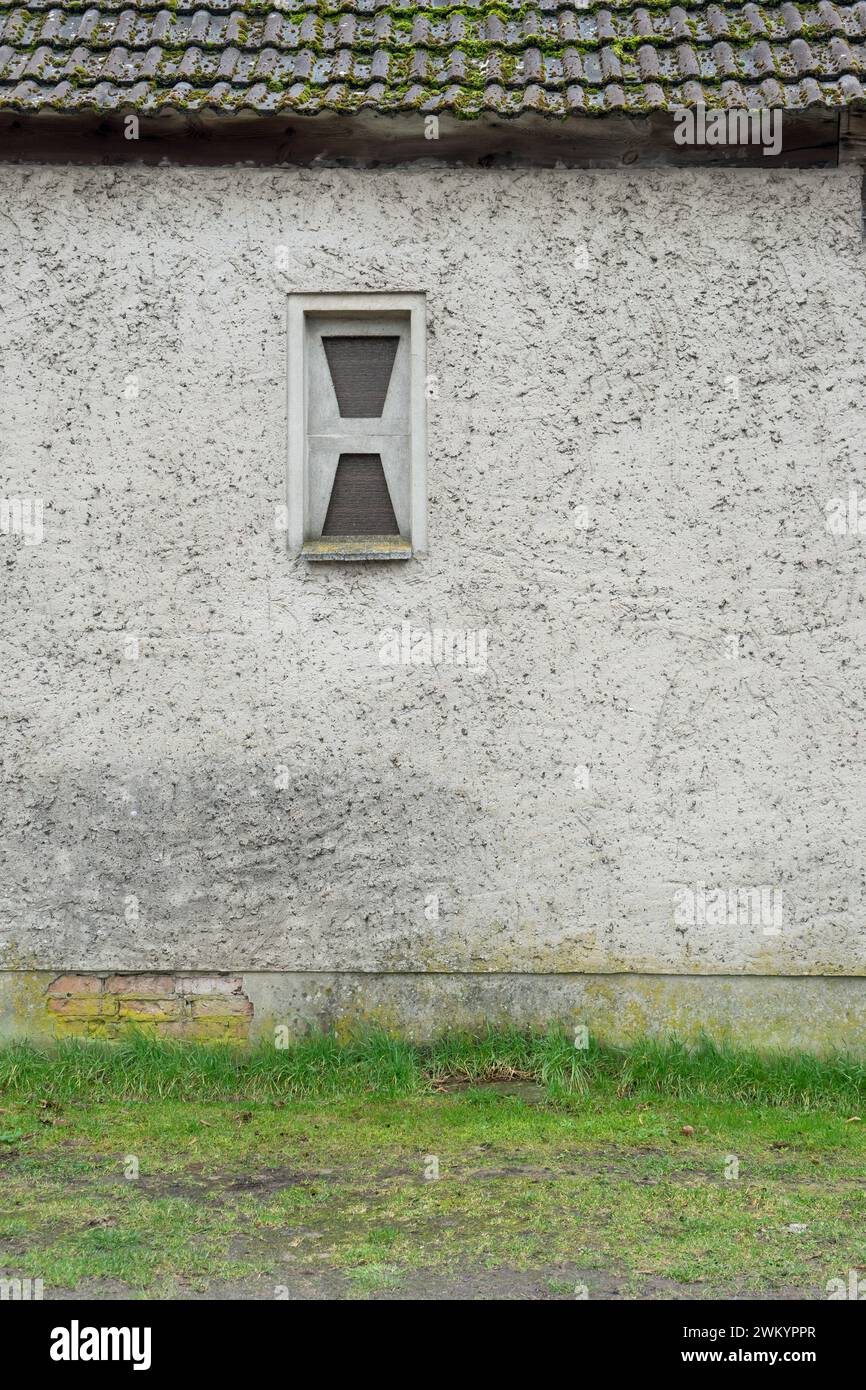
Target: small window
(357,484)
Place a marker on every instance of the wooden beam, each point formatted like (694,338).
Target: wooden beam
(852,137)
(810,138)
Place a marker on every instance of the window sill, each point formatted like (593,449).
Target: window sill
(358,548)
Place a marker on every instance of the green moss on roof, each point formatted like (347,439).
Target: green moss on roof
(557,58)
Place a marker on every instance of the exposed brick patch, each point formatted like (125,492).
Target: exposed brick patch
(198,1007)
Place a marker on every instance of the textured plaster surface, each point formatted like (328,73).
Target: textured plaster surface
(678,352)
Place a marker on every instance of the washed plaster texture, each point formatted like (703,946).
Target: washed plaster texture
(815,1014)
(679,353)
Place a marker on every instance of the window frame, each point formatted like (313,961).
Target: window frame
(359,305)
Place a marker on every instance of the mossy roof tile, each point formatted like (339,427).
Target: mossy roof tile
(502,56)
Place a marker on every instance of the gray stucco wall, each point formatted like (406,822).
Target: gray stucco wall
(681,353)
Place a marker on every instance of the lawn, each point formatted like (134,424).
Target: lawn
(509,1167)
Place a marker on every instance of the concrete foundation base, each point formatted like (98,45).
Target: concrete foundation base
(814,1013)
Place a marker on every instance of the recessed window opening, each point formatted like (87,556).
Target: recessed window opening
(357,474)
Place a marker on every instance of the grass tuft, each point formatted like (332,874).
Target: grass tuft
(720,1071)
(319,1067)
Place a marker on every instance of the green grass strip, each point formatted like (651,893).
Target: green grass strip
(379,1065)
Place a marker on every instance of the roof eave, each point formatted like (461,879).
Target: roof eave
(819,135)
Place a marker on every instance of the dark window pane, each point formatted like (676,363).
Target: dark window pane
(360,502)
(360,370)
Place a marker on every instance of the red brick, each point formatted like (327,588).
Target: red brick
(221,1007)
(208,984)
(155,1010)
(140,986)
(85,1006)
(216,1029)
(76,984)
(173,1030)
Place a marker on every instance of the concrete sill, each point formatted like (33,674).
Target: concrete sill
(358,548)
